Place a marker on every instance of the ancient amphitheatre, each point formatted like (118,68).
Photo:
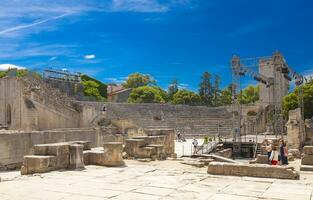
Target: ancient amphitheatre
(87,110)
(54,146)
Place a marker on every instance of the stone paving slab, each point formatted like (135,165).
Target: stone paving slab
(155,180)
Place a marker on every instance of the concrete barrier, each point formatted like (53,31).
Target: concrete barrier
(254,170)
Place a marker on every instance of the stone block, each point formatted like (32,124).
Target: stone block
(261,159)
(60,150)
(132,146)
(76,156)
(295,152)
(206,161)
(113,153)
(159,149)
(38,164)
(306,168)
(307,160)
(95,157)
(194,163)
(86,144)
(254,170)
(308,150)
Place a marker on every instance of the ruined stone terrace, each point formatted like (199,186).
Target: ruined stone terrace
(154,180)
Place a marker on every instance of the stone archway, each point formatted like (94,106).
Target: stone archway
(8,115)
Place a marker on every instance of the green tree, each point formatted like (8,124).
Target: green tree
(290,102)
(21,72)
(172,89)
(147,94)
(102,87)
(136,80)
(186,97)
(205,89)
(249,95)
(226,96)
(3,74)
(91,90)
(216,91)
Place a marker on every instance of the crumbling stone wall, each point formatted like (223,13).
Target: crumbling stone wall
(35,105)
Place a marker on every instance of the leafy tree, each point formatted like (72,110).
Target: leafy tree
(3,74)
(172,89)
(216,91)
(249,95)
(205,90)
(136,80)
(226,96)
(21,72)
(91,89)
(290,102)
(147,94)
(102,87)
(186,97)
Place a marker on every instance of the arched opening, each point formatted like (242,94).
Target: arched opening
(8,115)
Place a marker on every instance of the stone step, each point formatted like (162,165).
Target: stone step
(306,168)
(146,152)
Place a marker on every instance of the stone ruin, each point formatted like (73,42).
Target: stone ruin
(71,155)
(307,159)
(153,144)
(254,170)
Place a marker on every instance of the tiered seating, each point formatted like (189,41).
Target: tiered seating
(187,120)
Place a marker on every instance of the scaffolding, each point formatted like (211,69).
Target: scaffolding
(281,72)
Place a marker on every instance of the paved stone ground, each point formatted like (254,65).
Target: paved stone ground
(149,180)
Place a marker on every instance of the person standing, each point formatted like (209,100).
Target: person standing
(268,149)
(283,153)
(274,156)
(195,145)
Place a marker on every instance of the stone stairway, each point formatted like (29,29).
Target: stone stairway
(158,143)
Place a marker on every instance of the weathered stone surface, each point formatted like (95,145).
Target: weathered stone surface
(295,152)
(110,155)
(194,163)
(38,164)
(132,146)
(227,153)
(306,168)
(307,160)
(261,159)
(308,150)
(76,156)
(206,161)
(113,153)
(255,170)
(60,150)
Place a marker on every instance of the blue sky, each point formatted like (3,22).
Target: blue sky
(168,39)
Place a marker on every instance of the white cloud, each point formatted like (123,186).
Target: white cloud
(182,86)
(138,6)
(4,67)
(118,80)
(90,56)
(25,26)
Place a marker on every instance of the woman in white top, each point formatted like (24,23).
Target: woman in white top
(274,156)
